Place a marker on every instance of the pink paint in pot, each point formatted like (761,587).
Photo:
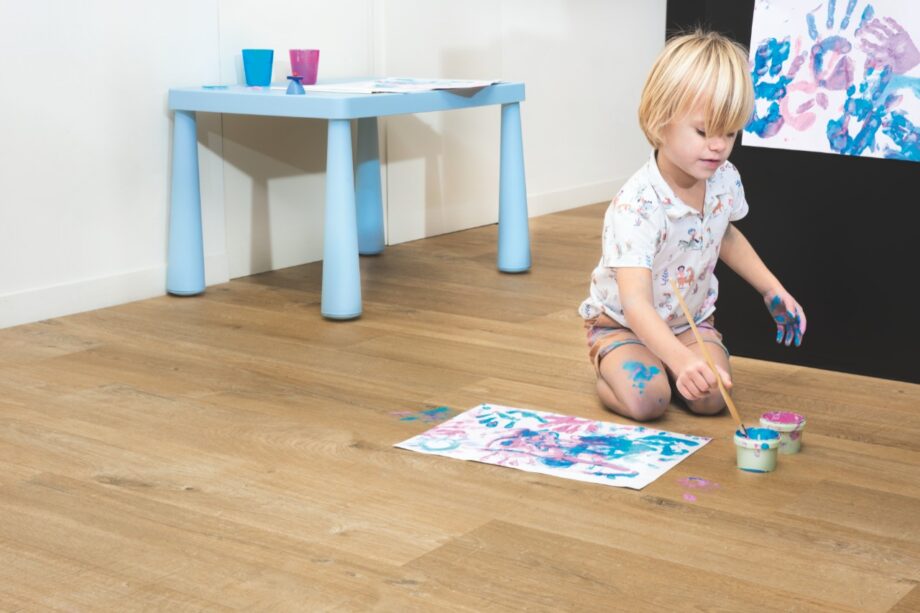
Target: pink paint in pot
(790,426)
(305,63)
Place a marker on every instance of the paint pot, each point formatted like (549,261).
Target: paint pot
(757,450)
(790,427)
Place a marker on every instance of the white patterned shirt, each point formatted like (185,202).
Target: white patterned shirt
(647,226)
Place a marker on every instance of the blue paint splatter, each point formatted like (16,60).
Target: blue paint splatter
(441,444)
(899,82)
(427,415)
(831,9)
(641,373)
(599,451)
(511,418)
(905,135)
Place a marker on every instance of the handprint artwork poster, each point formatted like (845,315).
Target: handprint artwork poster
(838,76)
(558,445)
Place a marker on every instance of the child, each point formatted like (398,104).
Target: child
(671,221)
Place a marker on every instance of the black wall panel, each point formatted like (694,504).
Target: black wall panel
(841,233)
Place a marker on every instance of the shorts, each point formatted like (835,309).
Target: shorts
(605,335)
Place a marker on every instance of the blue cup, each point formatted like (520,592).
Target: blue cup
(257,66)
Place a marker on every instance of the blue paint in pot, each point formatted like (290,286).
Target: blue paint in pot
(757,450)
(759,434)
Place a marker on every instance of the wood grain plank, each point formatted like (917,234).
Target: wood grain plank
(236,450)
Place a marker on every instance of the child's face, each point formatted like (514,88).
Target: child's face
(689,153)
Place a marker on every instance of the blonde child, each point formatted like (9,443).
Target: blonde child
(672,221)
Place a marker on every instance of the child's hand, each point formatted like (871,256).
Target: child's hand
(695,379)
(788,315)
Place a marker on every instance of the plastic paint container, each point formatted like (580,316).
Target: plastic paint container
(757,450)
(790,426)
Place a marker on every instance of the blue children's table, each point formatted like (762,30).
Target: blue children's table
(354,210)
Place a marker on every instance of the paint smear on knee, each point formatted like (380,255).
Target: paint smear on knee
(640,373)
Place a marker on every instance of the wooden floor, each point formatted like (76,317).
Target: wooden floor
(235,450)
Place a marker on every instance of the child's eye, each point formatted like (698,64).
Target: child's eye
(731,134)
(701,132)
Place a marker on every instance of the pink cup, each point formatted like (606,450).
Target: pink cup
(304,63)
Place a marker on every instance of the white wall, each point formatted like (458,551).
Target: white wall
(583,63)
(84,146)
(84,155)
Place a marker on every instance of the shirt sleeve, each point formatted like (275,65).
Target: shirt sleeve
(739,203)
(632,234)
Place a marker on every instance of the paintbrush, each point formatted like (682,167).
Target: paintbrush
(712,365)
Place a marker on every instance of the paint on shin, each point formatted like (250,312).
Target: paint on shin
(640,373)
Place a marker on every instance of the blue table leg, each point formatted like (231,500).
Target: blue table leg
(341,272)
(185,259)
(367,190)
(513,233)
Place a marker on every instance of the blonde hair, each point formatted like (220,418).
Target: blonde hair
(699,68)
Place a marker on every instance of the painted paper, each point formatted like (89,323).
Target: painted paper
(399,85)
(838,76)
(560,445)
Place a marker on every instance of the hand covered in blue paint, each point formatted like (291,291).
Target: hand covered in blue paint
(788,315)
(694,379)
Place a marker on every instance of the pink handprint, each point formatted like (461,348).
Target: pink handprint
(894,48)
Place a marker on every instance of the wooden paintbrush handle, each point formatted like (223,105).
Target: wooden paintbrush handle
(699,339)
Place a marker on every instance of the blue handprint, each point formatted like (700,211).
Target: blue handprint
(770,85)
(829,45)
(872,104)
(866,107)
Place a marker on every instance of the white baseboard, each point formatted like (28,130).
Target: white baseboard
(573,197)
(77,297)
(68,298)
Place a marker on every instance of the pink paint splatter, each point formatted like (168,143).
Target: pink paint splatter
(699,484)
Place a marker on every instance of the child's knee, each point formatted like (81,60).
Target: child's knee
(650,404)
(710,404)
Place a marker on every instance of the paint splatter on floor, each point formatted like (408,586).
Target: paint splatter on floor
(698,484)
(435,415)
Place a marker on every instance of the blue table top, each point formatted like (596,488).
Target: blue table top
(273,101)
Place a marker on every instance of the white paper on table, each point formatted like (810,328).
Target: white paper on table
(398,85)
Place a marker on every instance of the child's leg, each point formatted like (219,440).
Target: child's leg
(632,382)
(713,402)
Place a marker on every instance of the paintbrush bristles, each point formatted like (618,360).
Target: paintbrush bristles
(699,339)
